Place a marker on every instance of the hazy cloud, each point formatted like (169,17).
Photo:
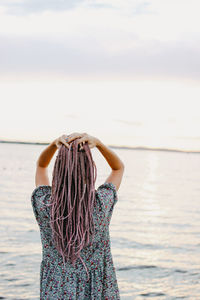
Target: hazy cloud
(46,55)
(26,6)
(132,40)
(33,6)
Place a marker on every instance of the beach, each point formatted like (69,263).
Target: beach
(154,230)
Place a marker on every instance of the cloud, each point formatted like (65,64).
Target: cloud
(130,38)
(65,57)
(29,6)
(17,7)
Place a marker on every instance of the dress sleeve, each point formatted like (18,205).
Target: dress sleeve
(39,198)
(107,196)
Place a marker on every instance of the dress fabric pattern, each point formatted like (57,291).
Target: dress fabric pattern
(59,282)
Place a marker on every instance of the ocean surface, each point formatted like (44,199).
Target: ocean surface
(155,226)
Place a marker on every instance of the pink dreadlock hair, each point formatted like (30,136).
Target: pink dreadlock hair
(72,200)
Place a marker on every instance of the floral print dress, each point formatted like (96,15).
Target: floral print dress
(59,281)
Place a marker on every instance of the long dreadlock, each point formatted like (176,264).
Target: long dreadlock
(72,200)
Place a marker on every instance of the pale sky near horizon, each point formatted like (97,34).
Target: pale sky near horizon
(126,71)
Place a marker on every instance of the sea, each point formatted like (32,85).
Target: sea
(154,230)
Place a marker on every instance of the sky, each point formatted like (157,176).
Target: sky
(125,71)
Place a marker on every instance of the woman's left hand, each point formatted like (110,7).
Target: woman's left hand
(61,141)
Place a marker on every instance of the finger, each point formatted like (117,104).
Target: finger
(81,145)
(65,137)
(76,134)
(83,139)
(91,145)
(63,141)
(73,137)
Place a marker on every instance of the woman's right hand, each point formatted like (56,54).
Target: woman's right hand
(83,138)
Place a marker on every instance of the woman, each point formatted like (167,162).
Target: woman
(74,220)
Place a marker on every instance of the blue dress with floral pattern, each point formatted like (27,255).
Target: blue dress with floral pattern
(58,282)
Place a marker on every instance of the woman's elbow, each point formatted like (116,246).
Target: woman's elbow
(122,166)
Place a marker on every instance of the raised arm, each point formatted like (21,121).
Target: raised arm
(41,174)
(114,162)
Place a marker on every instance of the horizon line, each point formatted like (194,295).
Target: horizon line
(112,146)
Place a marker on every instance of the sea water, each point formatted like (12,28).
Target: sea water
(154,230)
